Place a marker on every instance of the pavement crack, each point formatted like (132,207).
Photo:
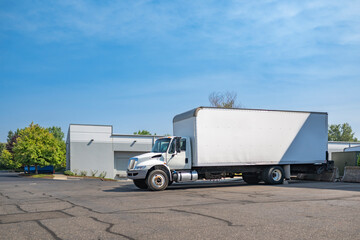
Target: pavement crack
(146,212)
(72,206)
(108,229)
(80,206)
(62,211)
(29,192)
(53,234)
(229,223)
(19,208)
(207,196)
(5,196)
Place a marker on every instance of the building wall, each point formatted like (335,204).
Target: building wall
(68,150)
(96,148)
(91,149)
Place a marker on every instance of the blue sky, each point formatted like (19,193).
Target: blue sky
(136,64)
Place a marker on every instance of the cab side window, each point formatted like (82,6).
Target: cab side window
(183,144)
(172,147)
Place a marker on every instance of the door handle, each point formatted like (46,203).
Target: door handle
(186,160)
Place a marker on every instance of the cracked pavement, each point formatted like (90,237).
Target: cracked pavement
(93,209)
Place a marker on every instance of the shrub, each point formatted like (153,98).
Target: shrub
(102,174)
(83,173)
(93,172)
(69,173)
(76,172)
(60,169)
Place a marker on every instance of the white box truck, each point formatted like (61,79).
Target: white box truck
(215,143)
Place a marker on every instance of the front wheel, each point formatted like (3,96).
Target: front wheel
(140,183)
(157,180)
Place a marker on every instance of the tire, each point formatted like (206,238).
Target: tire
(140,183)
(273,175)
(157,180)
(251,178)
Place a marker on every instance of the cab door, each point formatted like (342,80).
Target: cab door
(178,160)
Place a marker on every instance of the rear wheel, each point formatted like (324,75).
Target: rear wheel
(251,178)
(140,183)
(273,175)
(157,180)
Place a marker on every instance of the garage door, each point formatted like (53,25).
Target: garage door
(121,162)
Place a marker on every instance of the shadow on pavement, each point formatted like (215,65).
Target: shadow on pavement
(239,183)
(178,186)
(7,175)
(342,186)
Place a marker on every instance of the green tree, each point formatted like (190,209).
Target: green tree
(7,160)
(37,146)
(11,140)
(2,146)
(223,100)
(56,131)
(341,132)
(142,132)
(6,153)
(59,135)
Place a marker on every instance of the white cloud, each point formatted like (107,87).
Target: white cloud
(231,24)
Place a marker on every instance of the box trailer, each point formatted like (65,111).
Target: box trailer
(215,143)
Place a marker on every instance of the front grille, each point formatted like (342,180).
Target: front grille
(132,164)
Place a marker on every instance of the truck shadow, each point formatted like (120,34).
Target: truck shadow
(236,183)
(179,186)
(342,186)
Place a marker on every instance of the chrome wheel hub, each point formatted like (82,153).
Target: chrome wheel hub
(158,180)
(276,175)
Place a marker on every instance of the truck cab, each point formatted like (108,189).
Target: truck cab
(155,169)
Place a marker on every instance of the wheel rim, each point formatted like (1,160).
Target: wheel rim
(276,175)
(158,180)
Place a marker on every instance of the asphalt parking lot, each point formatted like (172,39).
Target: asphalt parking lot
(94,209)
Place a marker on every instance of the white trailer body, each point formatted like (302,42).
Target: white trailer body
(230,137)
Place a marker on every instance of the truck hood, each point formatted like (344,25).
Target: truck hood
(148,156)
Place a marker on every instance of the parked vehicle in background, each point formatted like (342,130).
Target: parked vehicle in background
(215,143)
(45,169)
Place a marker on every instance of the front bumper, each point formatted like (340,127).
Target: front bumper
(137,174)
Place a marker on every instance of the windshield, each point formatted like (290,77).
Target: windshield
(161,145)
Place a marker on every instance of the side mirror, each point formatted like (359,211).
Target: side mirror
(178,148)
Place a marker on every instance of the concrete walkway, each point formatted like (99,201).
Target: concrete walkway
(59,176)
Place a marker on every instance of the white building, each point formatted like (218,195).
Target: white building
(96,148)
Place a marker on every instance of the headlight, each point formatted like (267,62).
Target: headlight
(140,167)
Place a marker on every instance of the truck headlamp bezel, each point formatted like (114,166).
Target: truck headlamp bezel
(139,167)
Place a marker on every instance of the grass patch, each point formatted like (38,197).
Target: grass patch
(42,176)
(33,175)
